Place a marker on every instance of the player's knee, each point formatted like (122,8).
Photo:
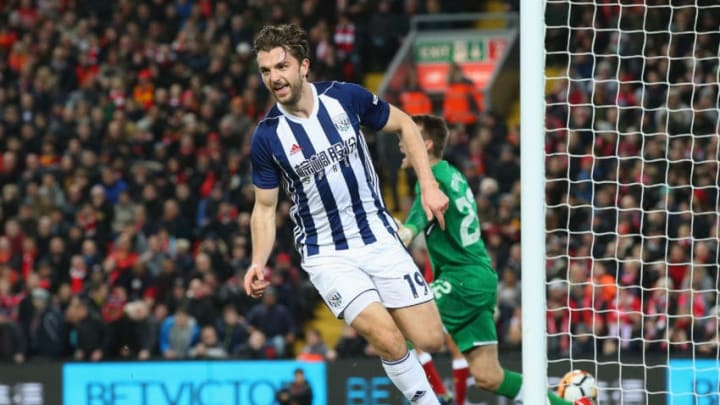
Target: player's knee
(431,342)
(388,342)
(487,378)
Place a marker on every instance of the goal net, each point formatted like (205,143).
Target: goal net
(631,155)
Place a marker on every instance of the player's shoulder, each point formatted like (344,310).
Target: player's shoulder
(339,89)
(268,124)
(446,173)
(445,169)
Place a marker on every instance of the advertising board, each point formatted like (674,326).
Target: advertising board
(185,382)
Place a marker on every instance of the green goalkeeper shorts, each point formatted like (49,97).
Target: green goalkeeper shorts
(466,299)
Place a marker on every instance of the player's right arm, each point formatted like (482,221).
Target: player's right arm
(262,231)
(262,220)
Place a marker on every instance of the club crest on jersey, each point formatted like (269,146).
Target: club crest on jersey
(342,122)
(334,299)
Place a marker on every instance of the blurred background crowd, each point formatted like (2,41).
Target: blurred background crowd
(125,179)
(126,191)
(632,168)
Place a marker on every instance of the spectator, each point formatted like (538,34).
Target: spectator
(209,347)
(350,345)
(459,103)
(132,336)
(122,257)
(12,344)
(178,334)
(124,210)
(153,258)
(298,392)
(103,214)
(199,302)
(232,329)
(314,348)
(383,35)
(274,321)
(43,325)
(508,294)
(256,347)
(93,336)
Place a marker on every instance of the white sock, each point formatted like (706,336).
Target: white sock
(458,364)
(408,376)
(424,358)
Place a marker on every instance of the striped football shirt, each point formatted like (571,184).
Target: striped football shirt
(323,164)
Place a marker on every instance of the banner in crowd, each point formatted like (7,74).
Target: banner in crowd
(694,381)
(475,53)
(186,382)
(363,382)
(30,384)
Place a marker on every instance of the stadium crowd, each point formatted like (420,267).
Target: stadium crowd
(124,173)
(633,178)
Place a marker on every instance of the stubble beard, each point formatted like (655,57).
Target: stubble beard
(295,93)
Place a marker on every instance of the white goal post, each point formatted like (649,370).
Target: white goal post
(532,215)
(620,140)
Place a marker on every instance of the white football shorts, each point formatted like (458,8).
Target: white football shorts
(349,280)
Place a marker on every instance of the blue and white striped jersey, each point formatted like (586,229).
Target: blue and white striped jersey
(323,163)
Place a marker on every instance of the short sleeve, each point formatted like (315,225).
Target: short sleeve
(372,110)
(264,171)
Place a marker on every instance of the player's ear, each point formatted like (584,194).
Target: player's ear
(304,67)
(429,145)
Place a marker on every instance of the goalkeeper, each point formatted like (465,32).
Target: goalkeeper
(465,283)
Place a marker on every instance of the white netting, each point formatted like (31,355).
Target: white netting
(632,196)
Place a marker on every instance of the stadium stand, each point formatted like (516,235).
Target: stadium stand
(124,173)
(125,179)
(639,116)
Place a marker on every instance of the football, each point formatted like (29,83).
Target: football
(577,384)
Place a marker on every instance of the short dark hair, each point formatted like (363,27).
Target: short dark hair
(434,129)
(290,37)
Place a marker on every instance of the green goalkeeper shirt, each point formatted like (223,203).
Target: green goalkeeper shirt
(460,244)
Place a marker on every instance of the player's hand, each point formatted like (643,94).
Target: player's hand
(435,203)
(405,234)
(254,281)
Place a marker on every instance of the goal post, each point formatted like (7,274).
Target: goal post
(631,196)
(532,111)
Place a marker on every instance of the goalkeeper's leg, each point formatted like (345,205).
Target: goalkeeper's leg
(490,376)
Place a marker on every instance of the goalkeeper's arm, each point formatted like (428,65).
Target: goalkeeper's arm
(416,221)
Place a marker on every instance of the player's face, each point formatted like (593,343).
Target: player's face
(282,74)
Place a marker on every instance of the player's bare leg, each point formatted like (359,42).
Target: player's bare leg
(421,325)
(490,376)
(378,327)
(485,367)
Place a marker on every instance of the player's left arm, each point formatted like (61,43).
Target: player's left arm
(434,201)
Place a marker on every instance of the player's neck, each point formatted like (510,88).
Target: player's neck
(304,106)
(433,160)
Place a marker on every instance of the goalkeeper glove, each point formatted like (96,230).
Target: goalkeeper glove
(406,234)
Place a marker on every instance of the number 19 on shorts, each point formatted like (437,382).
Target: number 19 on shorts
(416,282)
